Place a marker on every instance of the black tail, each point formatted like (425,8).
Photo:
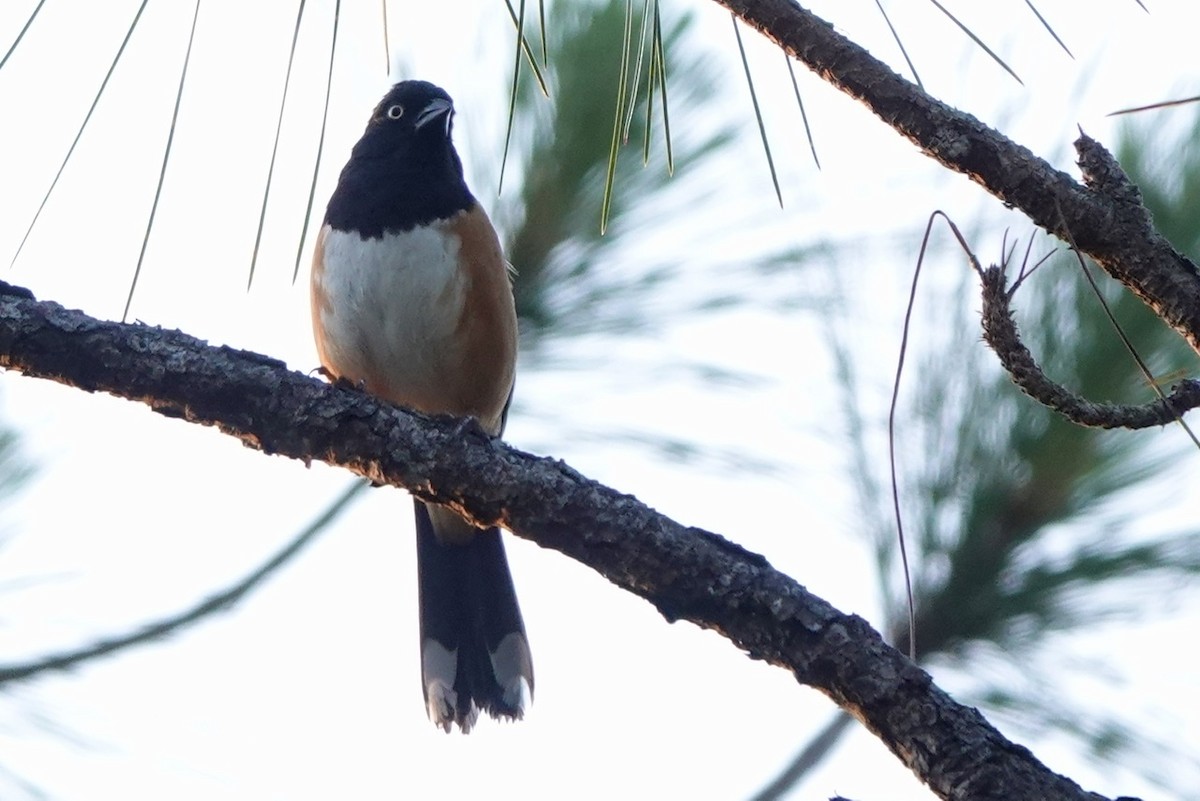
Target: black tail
(474,652)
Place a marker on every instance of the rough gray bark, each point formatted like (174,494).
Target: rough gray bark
(687,573)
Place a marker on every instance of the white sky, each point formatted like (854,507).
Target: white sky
(310,689)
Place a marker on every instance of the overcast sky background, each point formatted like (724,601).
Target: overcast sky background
(310,689)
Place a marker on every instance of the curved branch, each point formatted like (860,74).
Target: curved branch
(1110,226)
(1000,333)
(687,573)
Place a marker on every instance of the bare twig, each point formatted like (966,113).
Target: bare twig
(1000,332)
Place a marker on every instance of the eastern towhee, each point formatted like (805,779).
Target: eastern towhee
(412,301)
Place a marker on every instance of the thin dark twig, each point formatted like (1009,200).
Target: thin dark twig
(312,188)
(1006,252)
(162,172)
(1025,273)
(222,600)
(1006,255)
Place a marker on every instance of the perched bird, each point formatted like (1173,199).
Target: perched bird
(412,301)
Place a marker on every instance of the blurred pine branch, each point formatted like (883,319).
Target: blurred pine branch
(1020,534)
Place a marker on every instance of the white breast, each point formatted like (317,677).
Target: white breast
(386,306)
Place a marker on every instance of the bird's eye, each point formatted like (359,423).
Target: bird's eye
(395,112)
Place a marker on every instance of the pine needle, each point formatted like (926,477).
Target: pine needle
(804,116)
(1152,106)
(79,134)
(1144,368)
(512,97)
(1050,30)
(387,44)
(762,128)
(21,35)
(538,75)
(162,173)
(287,80)
(651,76)
(661,56)
(903,50)
(312,188)
(635,81)
(979,42)
(907,328)
(614,147)
(542,26)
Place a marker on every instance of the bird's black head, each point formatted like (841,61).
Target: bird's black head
(404,170)
(411,122)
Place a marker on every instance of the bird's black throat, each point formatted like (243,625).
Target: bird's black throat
(375,196)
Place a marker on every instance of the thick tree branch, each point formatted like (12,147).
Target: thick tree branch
(687,573)
(1105,218)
